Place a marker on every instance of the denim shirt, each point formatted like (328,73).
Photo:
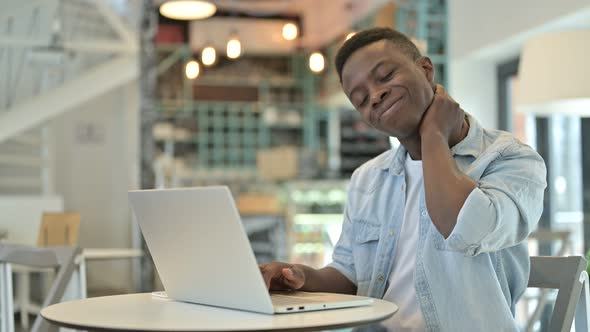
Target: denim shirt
(471,280)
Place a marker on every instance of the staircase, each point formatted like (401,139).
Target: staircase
(24,164)
(54,56)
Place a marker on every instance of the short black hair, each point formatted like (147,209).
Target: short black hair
(366,37)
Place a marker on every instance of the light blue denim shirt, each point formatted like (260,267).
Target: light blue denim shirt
(472,280)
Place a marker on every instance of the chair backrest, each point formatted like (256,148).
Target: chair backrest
(59,229)
(567,275)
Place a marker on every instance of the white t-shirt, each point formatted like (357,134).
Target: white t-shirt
(401,280)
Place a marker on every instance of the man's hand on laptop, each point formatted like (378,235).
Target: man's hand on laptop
(282,276)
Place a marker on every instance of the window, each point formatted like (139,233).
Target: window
(558,139)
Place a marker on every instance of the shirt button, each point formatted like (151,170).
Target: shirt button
(381,278)
(390,234)
(424,214)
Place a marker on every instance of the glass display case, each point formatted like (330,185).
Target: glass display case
(315,213)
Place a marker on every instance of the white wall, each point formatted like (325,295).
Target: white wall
(94,170)
(476,25)
(473,85)
(483,34)
(21,216)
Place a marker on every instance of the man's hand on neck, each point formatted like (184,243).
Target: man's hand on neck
(446,187)
(444,117)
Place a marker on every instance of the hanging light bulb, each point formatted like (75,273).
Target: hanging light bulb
(234,48)
(208,56)
(192,70)
(349,35)
(316,62)
(290,31)
(187,9)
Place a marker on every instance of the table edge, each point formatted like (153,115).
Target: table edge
(311,328)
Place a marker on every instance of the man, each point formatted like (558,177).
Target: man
(438,226)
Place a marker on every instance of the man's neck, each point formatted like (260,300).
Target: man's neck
(414,143)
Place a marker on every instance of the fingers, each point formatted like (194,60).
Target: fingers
(438,97)
(272,274)
(280,276)
(444,115)
(442,92)
(443,100)
(293,277)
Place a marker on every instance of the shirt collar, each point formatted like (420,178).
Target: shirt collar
(471,145)
(394,161)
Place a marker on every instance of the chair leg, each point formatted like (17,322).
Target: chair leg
(23,282)
(82,278)
(583,307)
(6,307)
(541,302)
(67,262)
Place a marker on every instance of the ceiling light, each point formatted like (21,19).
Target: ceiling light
(187,9)
(316,62)
(208,56)
(234,48)
(290,31)
(192,70)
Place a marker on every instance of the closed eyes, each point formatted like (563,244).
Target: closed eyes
(364,101)
(387,77)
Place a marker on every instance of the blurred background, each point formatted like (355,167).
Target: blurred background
(98,97)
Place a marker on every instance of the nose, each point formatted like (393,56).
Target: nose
(378,97)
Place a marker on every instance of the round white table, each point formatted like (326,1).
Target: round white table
(144,312)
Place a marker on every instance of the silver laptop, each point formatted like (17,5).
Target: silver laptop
(203,255)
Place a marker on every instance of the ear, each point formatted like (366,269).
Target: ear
(425,64)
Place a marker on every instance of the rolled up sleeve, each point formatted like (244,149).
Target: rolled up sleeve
(506,205)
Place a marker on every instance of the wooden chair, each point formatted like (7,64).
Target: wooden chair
(59,229)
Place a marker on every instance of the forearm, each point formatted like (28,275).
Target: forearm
(327,280)
(445,185)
